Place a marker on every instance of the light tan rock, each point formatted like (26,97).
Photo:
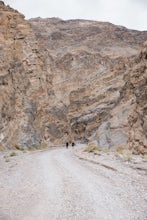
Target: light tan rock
(71,80)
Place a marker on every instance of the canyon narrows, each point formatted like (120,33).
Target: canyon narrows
(71,80)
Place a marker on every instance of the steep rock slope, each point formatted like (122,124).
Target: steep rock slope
(19,70)
(92,63)
(127,121)
(71,80)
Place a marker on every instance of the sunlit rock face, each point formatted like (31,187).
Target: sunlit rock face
(71,80)
(19,80)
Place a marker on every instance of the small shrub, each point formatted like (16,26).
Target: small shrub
(1,147)
(39,147)
(124,153)
(19,147)
(120,149)
(92,146)
(13,154)
(127,155)
(105,150)
(31,148)
(43,146)
(7,159)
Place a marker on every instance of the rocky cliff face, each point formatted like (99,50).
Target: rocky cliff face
(19,71)
(71,80)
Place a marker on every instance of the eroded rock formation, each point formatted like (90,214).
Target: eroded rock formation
(63,80)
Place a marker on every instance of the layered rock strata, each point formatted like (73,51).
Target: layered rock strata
(71,80)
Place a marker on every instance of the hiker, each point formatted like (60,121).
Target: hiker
(73,144)
(66,144)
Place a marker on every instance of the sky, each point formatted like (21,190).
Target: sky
(129,13)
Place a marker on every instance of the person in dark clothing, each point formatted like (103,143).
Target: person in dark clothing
(73,144)
(67,144)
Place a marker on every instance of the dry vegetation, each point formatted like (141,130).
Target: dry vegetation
(124,153)
(93,147)
(13,154)
(121,151)
(40,147)
(1,147)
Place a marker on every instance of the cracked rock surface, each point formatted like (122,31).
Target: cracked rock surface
(76,79)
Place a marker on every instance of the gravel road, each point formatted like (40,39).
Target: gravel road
(55,184)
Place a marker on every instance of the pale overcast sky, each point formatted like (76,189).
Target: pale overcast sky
(129,13)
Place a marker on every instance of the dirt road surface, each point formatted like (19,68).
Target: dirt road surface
(55,184)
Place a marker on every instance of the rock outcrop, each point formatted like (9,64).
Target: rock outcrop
(19,69)
(126,124)
(71,80)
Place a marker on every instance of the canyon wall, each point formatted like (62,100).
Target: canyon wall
(71,80)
